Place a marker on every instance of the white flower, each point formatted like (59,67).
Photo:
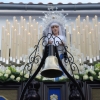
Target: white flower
(6,75)
(62,77)
(1,74)
(86,71)
(21,73)
(18,79)
(8,71)
(12,76)
(26,75)
(76,76)
(38,76)
(91,78)
(99,73)
(17,70)
(44,78)
(99,76)
(92,72)
(96,68)
(85,77)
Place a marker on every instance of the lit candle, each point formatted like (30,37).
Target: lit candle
(76,22)
(34,24)
(7,46)
(74,37)
(87,20)
(22,41)
(83,42)
(93,22)
(97,41)
(84,23)
(16,25)
(30,20)
(7,24)
(99,27)
(8,27)
(32,35)
(25,43)
(14,44)
(79,20)
(24,23)
(68,41)
(18,46)
(28,27)
(87,38)
(14,19)
(78,38)
(29,38)
(96,20)
(93,42)
(40,36)
(12,40)
(3,42)
(36,33)
(90,46)
(72,27)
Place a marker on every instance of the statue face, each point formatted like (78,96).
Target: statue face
(55,29)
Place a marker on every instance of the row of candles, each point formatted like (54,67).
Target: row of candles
(18,38)
(85,36)
(21,36)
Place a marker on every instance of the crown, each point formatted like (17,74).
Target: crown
(54,96)
(54,16)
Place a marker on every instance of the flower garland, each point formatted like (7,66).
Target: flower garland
(16,74)
(13,74)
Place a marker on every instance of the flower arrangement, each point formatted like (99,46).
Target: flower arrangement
(12,74)
(16,74)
